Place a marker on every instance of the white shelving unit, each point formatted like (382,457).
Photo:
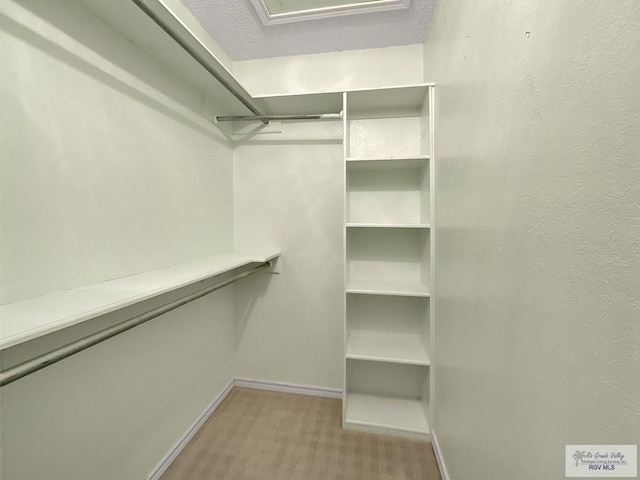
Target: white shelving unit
(388,259)
(386,415)
(28,319)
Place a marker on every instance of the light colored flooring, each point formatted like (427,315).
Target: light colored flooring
(262,435)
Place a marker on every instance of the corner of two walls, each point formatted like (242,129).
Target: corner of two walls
(288,192)
(538,134)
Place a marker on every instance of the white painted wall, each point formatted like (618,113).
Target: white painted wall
(538,260)
(106,168)
(102,174)
(332,72)
(288,193)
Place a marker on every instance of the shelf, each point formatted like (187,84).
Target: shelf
(301,104)
(28,319)
(386,347)
(382,287)
(388,162)
(388,192)
(388,225)
(386,415)
(409,98)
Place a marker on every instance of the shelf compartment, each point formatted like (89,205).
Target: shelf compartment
(388,122)
(388,192)
(395,260)
(385,414)
(385,137)
(387,397)
(32,318)
(389,314)
(386,347)
(409,99)
(387,379)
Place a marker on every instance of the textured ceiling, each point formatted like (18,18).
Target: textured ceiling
(235,25)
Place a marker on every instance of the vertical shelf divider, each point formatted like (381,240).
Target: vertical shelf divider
(345,219)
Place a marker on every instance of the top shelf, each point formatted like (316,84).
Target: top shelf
(407,100)
(32,318)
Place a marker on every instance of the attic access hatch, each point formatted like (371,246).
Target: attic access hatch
(273,12)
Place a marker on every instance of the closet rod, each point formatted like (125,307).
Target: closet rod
(253,118)
(38,363)
(204,61)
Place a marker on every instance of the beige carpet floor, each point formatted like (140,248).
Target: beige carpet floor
(261,435)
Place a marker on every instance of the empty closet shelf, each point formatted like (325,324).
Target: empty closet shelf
(388,225)
(28,319)
(383,287)
(379,414)
(386,347)
(387,163)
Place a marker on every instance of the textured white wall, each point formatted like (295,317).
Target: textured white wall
(332,72)
(538,220)
(102,174)
(288,193)
(106,168)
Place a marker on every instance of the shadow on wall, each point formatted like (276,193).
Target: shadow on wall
(247,296)
(96,58)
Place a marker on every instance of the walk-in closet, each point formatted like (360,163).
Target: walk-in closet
(277,239)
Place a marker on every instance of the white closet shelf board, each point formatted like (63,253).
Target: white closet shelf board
(388,225)
(302,104)
(386,347)
(28,319)
(382,287)
(405,99)
(386,415)
(400,163)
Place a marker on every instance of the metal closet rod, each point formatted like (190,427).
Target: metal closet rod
(253,118)
(204,61)
(38,363)
(180,37)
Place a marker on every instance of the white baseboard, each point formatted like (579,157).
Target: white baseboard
(436,449)
(289,388)
(169,458)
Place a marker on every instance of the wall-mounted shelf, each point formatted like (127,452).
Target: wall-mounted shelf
(387,287)
(386,347)
(369,163)
(32,318)
(384,414)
